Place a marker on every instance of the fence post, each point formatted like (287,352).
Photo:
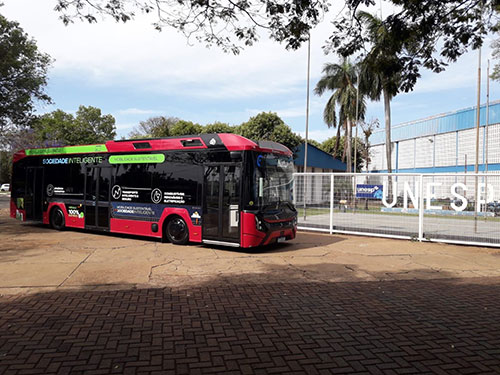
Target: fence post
(421,208)
(294,190)
(332,185)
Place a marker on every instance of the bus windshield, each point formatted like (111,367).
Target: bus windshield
(274,179)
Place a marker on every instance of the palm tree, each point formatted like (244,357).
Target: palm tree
(380,71)
(341,79)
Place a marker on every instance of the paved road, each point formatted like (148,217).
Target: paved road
(392,327)
(434,227)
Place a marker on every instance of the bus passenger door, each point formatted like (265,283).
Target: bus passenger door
(96,203)
(33,199)
(221,220)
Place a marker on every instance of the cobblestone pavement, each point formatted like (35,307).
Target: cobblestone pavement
(390,327)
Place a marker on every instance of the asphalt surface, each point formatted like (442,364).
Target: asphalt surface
(487,231)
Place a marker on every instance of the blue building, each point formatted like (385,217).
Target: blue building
(317,160)
(444,143)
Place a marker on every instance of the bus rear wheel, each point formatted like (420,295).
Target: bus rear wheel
(177,231)
(57,220)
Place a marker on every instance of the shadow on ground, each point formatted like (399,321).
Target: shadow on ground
(303,241)
(405,326)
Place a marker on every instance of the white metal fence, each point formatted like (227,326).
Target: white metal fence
(456,208)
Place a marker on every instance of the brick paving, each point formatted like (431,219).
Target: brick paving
(390,327)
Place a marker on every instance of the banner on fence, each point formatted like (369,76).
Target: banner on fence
(369,191)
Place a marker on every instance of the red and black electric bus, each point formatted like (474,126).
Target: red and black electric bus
(212,188)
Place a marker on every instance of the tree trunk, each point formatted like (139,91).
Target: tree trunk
(348,146)
(337,142)
(367,154)
(388,145)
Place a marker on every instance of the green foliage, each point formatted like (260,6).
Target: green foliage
(381,70)
(183,127)
(92,126)
(154,127)
(89,126)
(381,66)
(219,127)
(428,33)
(269,126)
(341,79)
(161,126)
(5,167)
(57,127)
(495,45)
(314,143)
(420,34)
(329,147)
(23,77)
(230,25)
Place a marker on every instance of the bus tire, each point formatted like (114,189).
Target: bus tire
(57,220)
(177,231)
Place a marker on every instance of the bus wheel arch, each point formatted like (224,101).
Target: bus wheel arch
(176,230)
(57,219)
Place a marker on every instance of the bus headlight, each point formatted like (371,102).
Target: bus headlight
(259,224)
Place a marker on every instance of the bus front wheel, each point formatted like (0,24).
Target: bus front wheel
(177,231)
(57,219)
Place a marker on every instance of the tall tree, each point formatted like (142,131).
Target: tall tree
(368,128)
(342,80)
(183,127)
(154,127)
(59,128)
(269,126)
(23,77)
(54,129)
(381,71)
(329,145)
(219,127)
(92,126)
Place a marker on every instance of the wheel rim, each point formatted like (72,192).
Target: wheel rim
(58,218)
(177,229)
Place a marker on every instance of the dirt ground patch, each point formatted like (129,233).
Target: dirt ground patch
(36,258)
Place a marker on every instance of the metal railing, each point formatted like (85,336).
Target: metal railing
(455,208)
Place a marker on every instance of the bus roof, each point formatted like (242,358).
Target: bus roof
(226,141)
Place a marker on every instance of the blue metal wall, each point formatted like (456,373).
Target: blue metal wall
(318,158)
(449,122)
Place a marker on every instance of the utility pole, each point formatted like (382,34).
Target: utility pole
(487,114)
(307,120)
(356,133)
(476,165)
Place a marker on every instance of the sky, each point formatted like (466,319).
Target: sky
(135,72)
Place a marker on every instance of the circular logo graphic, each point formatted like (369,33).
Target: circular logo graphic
(213,141)
(259,160)
(50,190)
(156,195)
(116,192)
